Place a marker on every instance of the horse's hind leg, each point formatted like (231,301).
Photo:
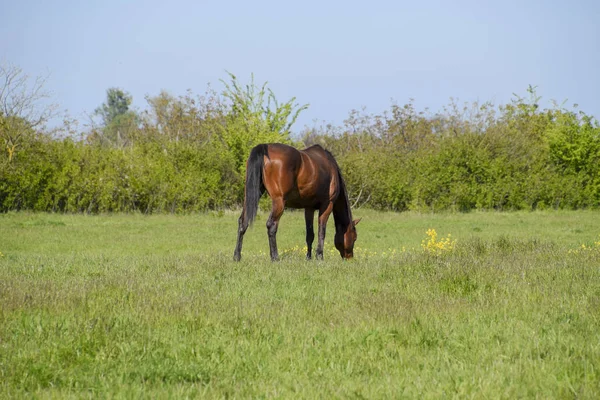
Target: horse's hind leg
(309,216)
(242,227)
(272,224)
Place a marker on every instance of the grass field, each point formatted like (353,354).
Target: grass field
(135,306)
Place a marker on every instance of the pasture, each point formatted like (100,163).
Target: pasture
(124,306)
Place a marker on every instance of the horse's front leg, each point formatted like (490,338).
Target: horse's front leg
(323,217)
(309,217)
(272,224)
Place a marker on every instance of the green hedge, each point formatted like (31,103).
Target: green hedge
(513,157)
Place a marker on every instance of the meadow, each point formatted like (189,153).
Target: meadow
(127,305)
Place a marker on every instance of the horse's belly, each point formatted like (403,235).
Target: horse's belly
(296,199)
(299,202)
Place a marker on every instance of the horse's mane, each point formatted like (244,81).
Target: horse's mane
(342,214)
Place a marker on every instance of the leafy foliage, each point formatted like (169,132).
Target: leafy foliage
(255,116)
(188,153)
(516,156)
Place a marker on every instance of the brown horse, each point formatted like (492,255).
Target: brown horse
(309,179)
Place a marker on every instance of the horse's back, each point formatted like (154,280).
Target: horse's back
(316,150)
(290,155)
(287,158)
(290,158)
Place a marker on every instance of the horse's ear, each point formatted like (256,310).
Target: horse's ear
(356,221)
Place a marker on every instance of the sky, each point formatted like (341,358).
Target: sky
(335,55)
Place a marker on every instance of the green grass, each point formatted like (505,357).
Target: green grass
(134,306)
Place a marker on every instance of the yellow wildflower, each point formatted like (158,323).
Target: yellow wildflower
(434,246)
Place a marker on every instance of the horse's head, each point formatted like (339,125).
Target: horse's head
(344,240)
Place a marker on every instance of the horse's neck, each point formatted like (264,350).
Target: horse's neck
(341,212)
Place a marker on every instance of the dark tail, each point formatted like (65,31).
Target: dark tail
(254,183)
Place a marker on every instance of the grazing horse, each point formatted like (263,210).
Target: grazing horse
(309,179)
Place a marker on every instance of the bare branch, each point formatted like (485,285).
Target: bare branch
(23,98)
(362,187)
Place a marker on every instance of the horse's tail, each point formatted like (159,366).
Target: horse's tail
(254,181)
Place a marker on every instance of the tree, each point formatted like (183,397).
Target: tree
(118,121)
(255,116)
(186,118)
(22,108)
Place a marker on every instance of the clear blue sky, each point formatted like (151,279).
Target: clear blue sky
(334,55)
